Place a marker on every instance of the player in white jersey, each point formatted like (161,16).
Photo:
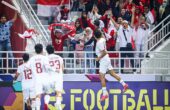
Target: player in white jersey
(57,78)
(105,64)
(39,64)
(24,74)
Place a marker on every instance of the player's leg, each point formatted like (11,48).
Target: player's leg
(25,98)
(46,101)
(32,97)
(38,92)
(59,89)
(38,102)
(28,104)
(58,100)
(47,96)
(33,103)
(102,71)
(118,78)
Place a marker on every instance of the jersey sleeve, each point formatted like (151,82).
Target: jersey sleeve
(19,71)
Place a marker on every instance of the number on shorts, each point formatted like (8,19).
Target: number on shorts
(38,68)
(55,64)
(28,74)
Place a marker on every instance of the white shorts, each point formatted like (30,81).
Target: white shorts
(57,84)
(29,93)
(105,66)
(42,85)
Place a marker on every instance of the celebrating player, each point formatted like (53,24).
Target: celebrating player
(28,88)
(40,67)
(57,78)
(105,64)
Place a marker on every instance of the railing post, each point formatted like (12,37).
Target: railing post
(7,65)
(119,62)
(85,52)
(74,63)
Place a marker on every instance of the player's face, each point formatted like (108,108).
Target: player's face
(3,19)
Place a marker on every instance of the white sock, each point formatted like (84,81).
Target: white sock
(122,82)
(33,104)
(58,100)
(38,103)
(104,91)
(58,103)
(47,99)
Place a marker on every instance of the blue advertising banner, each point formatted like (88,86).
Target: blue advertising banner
(140,96)
(83,95)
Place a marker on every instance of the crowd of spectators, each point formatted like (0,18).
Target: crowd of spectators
(122,22)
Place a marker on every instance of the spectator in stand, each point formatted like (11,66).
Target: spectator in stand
(164,9)
(5,42)
(106,18)
(84,20)
(58,37)
(79,30)
(125,15)
(93,15)
(64,13)
(89,49)
(103,6)
(137,14)
(149,16)
(124,36)
(129,5)
(89,5)
(116,9)
(140,34)
(55,15)
(75,6)
(82,4)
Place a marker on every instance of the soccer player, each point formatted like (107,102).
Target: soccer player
(57,78)
(39,64)
(28,88)
(105,64)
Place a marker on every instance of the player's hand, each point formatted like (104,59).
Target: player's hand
(97,59)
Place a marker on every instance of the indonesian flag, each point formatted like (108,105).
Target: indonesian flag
(47,7)
(27,34)
(151,16)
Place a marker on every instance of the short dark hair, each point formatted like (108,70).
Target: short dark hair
(50,49)
(38,48)
(97,22)
(97,33)
(25,57)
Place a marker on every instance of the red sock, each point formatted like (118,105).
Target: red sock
(45,107)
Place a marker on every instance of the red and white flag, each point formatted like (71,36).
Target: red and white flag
(46,7)
(27,34)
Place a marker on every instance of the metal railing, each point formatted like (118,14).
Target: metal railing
(158,34)
(31,19)
(77,62)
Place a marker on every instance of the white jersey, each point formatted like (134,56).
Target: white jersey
(100,46)
(40,67)
(25,74)
(56,62)
(56,78)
